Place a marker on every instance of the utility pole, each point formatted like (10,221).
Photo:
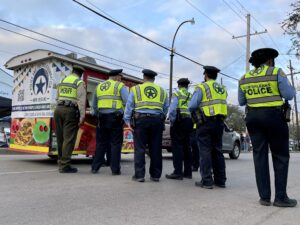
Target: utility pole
(295,104)
(248,40)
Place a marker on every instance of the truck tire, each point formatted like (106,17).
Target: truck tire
(235,153)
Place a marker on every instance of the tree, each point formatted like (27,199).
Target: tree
(290,27)
(235,118)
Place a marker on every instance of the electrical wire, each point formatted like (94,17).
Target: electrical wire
(221,27)
(142,36)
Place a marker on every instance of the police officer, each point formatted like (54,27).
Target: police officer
(181,128)
(261,90)
(209,101)
(109,100)
(68,115)
(147,105)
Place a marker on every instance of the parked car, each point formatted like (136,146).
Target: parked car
(231,141)
(292,145)
(4,137)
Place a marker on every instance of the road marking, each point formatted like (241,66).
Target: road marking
(29,171)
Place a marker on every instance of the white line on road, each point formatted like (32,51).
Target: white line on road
(29,171)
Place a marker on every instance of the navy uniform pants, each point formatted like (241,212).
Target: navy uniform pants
(195,150)
(109,138)
(180,137)
(209,137)
(268,130)
(148,134)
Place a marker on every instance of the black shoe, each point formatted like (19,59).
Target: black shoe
(194,169)
(138,179)
(68,169)
(94,171)
(286,202)
(174,176)
(188,176)
(265,202)
(221,185)
(155,179)
(116,173)
(206,186)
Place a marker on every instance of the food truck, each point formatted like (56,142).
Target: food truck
(36,77)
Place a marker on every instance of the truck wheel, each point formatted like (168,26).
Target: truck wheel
(235,153)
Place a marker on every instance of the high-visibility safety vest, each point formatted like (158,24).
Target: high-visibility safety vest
(214,97)
(149,96)
(260,87)
(184,98)
(109,95)
(67,89)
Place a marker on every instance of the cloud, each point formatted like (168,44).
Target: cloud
(203,42)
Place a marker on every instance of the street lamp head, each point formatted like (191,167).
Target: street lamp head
(192,21)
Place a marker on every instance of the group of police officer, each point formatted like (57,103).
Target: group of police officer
(196,120)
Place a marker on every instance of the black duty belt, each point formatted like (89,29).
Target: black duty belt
(217,117)
(148,115)
(185,116)
(262,108)
(66,103)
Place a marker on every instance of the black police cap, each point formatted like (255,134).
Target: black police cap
(265,53)
(149,73)
(183,81)
(115,72)
(211,69)
(77,67)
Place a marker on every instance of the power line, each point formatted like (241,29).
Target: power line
(162,75)
(144,37)
(256,20)
(235,11)
(67,43)
(234,61)
(221,27)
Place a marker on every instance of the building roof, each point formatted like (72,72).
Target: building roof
(42,54)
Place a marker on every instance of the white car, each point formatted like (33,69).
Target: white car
(4,137)
(231,141)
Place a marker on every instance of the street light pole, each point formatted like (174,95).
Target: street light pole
(192,21)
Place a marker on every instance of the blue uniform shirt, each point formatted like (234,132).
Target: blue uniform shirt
(285,88)
(130,107)
(196,100)
(124,96)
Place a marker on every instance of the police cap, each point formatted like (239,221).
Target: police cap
(79,68)
(183,81)
(263,53)
(211,69)
(115,72)
(149,73)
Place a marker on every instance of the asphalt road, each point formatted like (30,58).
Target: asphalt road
(32,192)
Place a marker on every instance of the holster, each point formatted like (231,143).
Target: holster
(286,111)
(132,120)
(198,117)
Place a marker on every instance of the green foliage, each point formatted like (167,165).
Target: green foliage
(235,118)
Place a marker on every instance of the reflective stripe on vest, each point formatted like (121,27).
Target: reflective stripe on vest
(109,95)
(184,98)
(67,89)
(148,96)
(214,98)
(260,87)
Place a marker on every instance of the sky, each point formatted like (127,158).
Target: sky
(209,41)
